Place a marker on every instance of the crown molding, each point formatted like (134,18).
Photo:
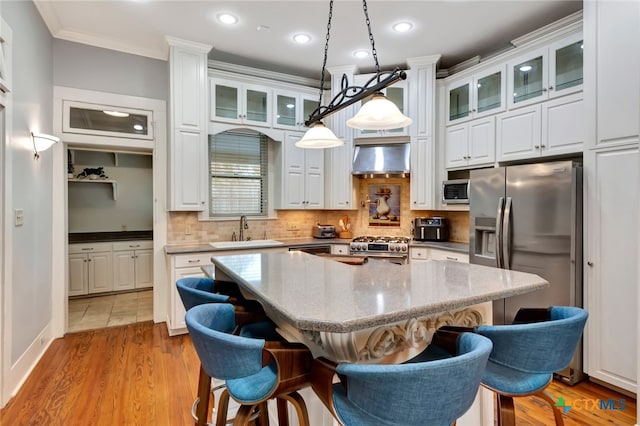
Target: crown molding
(118,45)
(423,61)
(49,15)
(187,44)
(260,73)
(566,24)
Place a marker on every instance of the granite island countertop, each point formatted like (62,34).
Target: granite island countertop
(312,293)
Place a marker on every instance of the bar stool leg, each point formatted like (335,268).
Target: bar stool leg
(204,393)
(298,403)
(223,407)
(283,413)
(556,413)
(506,411)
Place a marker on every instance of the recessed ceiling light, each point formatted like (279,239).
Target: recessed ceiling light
(402,27)
(301,38)
(227,18)
(526,68)
(361,54)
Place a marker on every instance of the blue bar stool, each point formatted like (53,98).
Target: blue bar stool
(255,371)
(250,319)
(419,393)
(526,354)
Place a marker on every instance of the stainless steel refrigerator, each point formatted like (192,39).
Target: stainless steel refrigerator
(529,218)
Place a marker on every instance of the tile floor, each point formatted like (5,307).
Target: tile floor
(105,311)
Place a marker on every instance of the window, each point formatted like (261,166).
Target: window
(238,167)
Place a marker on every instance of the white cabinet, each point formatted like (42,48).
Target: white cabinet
(475,96)
(240,103)
(292,109)
(338,178)
(471,143)
(182,266)
(438,254)
(612,188)
(550,128)
(421,178)
(417,254)
(188,117)
(302,180)
(340,249)
(611,272)
(90,268)
(132,265)
(545,73)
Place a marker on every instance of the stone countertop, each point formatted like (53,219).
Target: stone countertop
(443,245)
(316,294)
(292,242)
(95,237)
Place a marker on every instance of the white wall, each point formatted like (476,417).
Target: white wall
(27,288)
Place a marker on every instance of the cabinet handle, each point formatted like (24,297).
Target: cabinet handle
(536,146)
(590,263)
(544,89)
(194,261)
(550,87)
(137,245)
(88,260)
(543,145)
(87,249)
(346,202)
(452,258)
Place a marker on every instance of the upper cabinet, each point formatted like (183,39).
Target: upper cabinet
(292,109)
(188,130)
(240,103)
(476,96)
(547,72)
(301,182)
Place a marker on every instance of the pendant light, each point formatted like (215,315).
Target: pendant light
(377,114)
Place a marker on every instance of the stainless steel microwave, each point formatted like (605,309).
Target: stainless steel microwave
(455,191)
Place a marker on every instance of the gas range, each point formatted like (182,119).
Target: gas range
(379,245)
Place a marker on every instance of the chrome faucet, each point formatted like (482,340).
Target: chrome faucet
(243,225)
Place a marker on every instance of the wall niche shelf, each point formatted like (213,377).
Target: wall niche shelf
(114,184)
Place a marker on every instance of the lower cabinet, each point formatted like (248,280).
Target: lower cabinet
(90,268)
(132,265)
(182,266)
(105,267)
(417,254)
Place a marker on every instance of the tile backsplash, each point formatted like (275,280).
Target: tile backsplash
(185,228)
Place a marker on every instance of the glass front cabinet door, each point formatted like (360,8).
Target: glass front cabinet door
(547,72)
(476,96)
(293,109)
(240,103)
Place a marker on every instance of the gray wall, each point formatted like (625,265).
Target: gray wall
(93,68)
(29,181)
(91,205)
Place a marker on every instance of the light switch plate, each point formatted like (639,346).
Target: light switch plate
(19,217)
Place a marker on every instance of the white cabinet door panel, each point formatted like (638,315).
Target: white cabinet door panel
(482,141)
(100,274)
(124,269)
(78,275)
(563,125)
(519,134)
(144,268)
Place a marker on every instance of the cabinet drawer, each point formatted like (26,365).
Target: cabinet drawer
(89,248)
(132,245)
(194,259)
(420,253)
(449,255)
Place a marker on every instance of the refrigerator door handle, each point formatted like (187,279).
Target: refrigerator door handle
(506,235)
(498,239)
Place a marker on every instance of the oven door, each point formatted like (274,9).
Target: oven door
(398,259)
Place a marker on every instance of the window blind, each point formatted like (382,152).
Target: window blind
(238,168)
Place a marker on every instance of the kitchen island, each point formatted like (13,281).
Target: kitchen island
(375,312)
(378,312)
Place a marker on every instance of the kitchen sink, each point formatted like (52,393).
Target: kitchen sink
(245,244)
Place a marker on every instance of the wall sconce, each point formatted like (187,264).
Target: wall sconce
(42,142)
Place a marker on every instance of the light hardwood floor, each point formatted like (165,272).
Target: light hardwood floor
(138,375)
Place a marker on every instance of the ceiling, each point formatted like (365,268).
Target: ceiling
(456,29)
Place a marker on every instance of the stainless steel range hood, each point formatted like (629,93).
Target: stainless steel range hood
(381,159)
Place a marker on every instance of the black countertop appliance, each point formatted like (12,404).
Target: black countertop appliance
(430,229)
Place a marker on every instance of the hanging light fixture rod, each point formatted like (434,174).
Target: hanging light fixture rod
(349,95)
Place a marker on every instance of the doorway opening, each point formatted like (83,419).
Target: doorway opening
(110,236)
